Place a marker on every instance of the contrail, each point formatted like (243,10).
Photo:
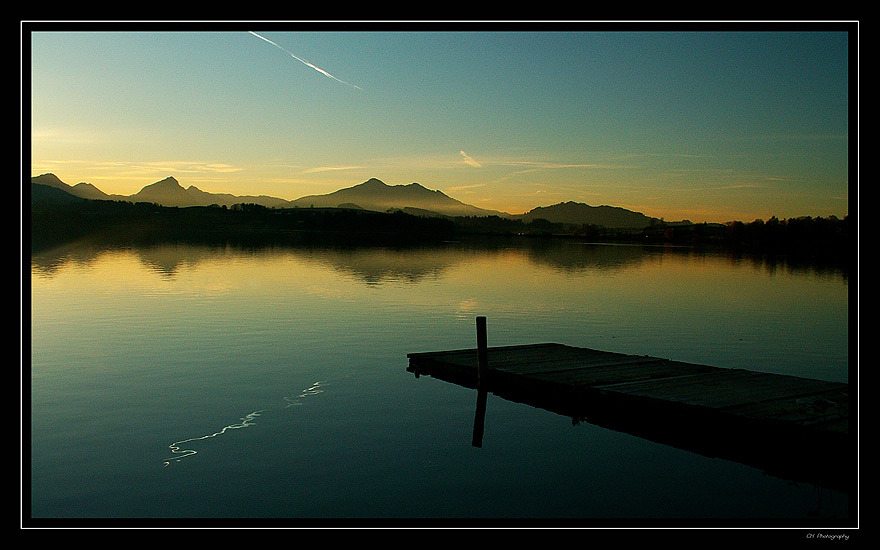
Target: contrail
(304,62)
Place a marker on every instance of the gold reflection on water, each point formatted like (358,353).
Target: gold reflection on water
(380,265)
(470,279)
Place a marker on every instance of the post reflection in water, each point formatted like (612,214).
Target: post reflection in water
(761,420)
(482,380)
(479,418)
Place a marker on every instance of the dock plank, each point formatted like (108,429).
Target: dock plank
(723,388)
(579,369)
(741,413)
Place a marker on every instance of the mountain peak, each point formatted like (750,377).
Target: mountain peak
(578,213)
(376,195)
(169,181)
(167,192)
(49,179)
(88,191)
(164,185)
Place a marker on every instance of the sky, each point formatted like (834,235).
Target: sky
(710,123)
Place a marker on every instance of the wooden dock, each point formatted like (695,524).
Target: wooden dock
(795,428)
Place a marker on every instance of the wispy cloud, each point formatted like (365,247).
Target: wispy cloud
(467,159)
(303,61)
(545,165)
(465,187)
(175,167)
(149,167)
(318,169)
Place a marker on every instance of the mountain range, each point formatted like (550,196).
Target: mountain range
(373,194)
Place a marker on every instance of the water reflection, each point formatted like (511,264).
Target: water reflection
(797,452)
(790,458)
(480,417)
(376,265)
(128,334)
(178,453)
(709,307)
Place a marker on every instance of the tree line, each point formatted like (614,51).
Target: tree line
(53,222)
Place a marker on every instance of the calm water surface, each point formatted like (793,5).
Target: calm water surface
(181,381)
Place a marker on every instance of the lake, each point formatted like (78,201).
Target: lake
(180,381)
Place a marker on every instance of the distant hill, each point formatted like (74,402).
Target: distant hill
(376,195)
(81,190)
(373,195)
(50,180)
(49,194)
(167,192)
(89,191)
(579,213)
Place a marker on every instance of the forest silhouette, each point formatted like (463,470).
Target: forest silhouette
(57,218)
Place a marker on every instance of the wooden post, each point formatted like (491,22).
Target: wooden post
(482,351)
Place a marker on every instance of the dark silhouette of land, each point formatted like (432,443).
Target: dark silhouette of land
(59,215)
(372,194)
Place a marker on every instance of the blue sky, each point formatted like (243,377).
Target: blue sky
(676,122)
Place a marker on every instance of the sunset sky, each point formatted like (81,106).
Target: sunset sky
(706,122)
